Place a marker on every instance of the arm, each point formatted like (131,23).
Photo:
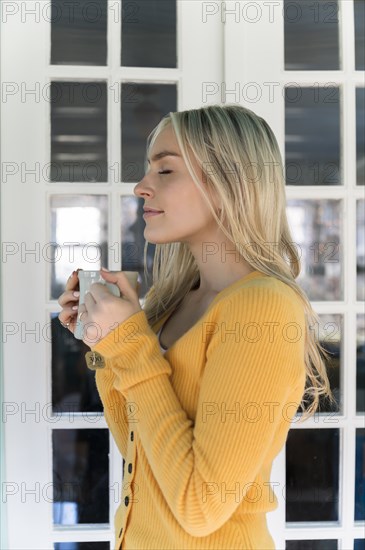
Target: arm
(211,450)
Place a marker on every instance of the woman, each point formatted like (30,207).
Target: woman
(199,387)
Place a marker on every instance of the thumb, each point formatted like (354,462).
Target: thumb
(121,280)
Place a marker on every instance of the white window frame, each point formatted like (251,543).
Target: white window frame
(25,140)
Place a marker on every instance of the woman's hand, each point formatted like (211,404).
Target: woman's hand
(69,302)
(102,312)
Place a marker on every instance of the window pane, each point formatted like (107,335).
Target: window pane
(104,545)
(311,545)
(360,364)
(360,249)
(359,544)
(79,229)
(359,13)
(80,476)
(312,135)
(329,334)
(143,106)
(312,470)
(149,33)
(311,35)
(78,32)
(360,475)
(316,230)
(78,132)
(133,241)
(73,384)
(360,136)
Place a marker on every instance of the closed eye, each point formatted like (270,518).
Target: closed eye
(165,172)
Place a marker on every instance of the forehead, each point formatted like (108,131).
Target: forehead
(166,139)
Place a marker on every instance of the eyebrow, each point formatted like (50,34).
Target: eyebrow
(163,154)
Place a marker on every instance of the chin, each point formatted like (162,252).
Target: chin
(156,240)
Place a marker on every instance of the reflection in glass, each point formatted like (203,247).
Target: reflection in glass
(102,545)
(359,16)
(78,32)
(360,364)
(360,136)
(312,135)
(149,33)
(73,384)
(312,475)
(78,132)
(311,545)
(329,334)
(133,241)
(80,476)
(311,35)
(79,229)
(316,230)
(360,249)
(143,106)
(360,475)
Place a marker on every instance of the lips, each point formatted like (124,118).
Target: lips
(150,213)
(146,210)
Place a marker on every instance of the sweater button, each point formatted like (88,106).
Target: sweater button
(126,501)
(94,360)
(130,468)
(132,436)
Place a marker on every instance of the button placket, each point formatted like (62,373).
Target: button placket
(128,475)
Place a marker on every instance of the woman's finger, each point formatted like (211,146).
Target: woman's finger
(73,281)
(69,302)
(69,297)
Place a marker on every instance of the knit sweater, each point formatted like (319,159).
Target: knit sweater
(199,426)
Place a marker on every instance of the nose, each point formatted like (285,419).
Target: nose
(142,189)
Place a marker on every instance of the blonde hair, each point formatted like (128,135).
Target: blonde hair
(241,163)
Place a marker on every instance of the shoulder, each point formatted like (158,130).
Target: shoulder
(262,297)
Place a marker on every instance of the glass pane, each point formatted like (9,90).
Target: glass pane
(360,364)
(312,471)
(104,545)
(133,241)
(78,132)
(312,135)
(360,136)
(143,106)
(78,32)
(359,13)
(80,476)
(311,545)
(360,249)
(79,230)
(73,384)
(359,544)
(316,230)
(360,475)
(149,33)
(329,334)
(311,35)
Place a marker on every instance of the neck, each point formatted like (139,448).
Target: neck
(219,265)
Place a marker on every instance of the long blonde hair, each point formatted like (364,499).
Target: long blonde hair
(241,163)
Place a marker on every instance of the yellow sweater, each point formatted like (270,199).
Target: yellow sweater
(199,426)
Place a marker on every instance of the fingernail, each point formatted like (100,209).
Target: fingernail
(104,269)
(76,294)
